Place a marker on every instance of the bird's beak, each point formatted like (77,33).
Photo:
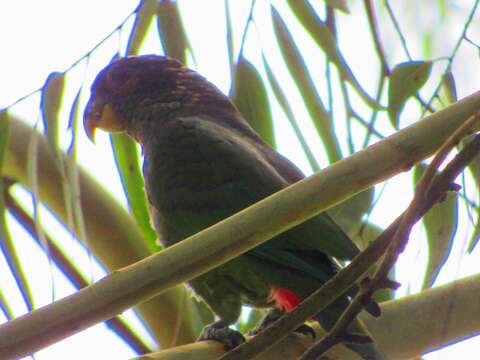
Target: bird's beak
(91,117)
(90,129)
(100,116)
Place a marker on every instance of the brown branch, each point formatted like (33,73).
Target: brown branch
(331,290)
(430,189)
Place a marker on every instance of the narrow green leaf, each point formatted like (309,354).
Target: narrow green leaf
(70,171)
(4,129)
(287,109)
(350,212)
(6,244)
(325,40)
(229,29)
(170,30)
(449,89)
(441,226)
(250,96)
(427,42)
(200,313)
(476,234)
(474,167)
(341,5)
(5,307)
(73,124)
(144,17)
(52,95)
(405,80)
(298,69)
(321,34)
(128,165)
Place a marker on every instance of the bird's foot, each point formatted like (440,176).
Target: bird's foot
(219,331)
(306,330)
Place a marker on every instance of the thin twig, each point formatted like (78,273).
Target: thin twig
(242,45)
(247,26)
(425,105)
(384,68)
(396,25)
(76,62)
(454,53)
(430,189)
(373,25)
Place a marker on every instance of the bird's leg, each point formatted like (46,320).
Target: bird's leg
(272,316)
(219,331)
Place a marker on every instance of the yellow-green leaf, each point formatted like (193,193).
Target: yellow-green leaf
(476,234)
(299,71)
(5,307)
(250,96)
(449,89)
(405,80)
(319,31)
(229,30)
(441,226)
(144,17)
(52,95)
(474,167)
(128,165)
(72,123)
(350,212)
(325,40)
(4,127)
(170,29)
(6,243)
(287,109)
(200,313)
(338,4)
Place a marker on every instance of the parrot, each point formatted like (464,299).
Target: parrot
(202,163)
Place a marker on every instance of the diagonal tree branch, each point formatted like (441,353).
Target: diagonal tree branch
(430,190)
(454,306)
(233,236)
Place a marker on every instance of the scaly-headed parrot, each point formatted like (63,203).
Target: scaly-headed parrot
(202,163)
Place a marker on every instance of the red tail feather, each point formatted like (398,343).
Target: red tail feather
(285,298)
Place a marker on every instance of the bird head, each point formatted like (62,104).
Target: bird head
(133,92)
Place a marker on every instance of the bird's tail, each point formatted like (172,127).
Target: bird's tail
(327,319)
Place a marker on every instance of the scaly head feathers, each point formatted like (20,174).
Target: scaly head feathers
(132,92)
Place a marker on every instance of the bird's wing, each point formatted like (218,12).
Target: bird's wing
(229,172)
(317,230)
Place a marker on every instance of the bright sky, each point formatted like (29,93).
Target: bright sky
(40,37)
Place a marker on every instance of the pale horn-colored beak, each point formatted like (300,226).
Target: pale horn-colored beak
(100,116)
(91,118)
